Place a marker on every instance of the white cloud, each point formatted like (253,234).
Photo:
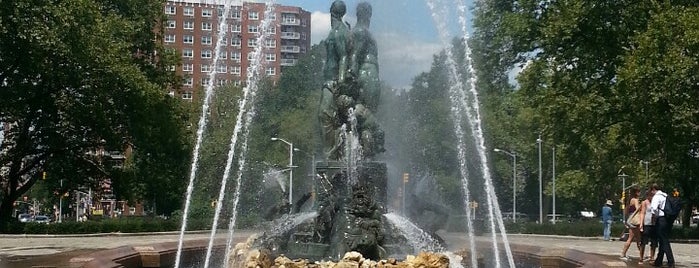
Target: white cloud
(320,26)
(401,58)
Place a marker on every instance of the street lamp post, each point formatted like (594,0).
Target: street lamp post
(623,176)
(512,154)
(291,169)
(541,208)
(553,171)
(644,162)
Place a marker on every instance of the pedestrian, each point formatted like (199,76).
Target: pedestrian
(607,219)
(634,231)
(648,233)
(663,227)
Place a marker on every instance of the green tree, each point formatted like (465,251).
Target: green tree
(596,82)
(79,77)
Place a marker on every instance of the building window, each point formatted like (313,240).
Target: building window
(171,24)
(206,26)
(205,68)
(188,39)
(187,95)
(253,15)
(270,43)
(236,14)
(221,82)
(189,11)
(188,82)
(206,12)
(170,10)
(172,68)
(206,54)
(188,67)
(219,12)
(252,42)
(222,69)
(251,56)
(269,71)
(271,29)
(205,81)
(222,55)
(224,42)
(235,56)
(169,38)
(236,28)
(236,42)
(236,83)
(235,70)
(271,57)
(303,36)
(253,29)
(188,25)
(206,40)
(272,16)
(188,53)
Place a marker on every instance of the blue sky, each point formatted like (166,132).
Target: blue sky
(404,30)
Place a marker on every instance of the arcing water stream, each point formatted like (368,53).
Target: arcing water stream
(463,103)
(222,27)
(246,107)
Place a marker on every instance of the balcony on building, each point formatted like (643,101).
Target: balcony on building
(290,20)
(291,35)
(288,62)
(290,49)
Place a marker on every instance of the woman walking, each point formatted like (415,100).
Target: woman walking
(634,231)
(647,229)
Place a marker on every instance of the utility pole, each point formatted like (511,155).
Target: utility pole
(553,170)
(541,198)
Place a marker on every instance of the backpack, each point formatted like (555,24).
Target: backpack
(672,208)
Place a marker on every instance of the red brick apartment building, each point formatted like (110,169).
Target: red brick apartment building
(192,28)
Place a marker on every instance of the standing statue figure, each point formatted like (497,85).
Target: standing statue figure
(335,69)
(364,64)
(351,81)
(364,60)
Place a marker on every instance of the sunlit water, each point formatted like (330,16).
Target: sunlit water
(421,240)
(247,110)
(463,103)
(222,31)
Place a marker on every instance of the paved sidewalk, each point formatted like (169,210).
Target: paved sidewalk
(685,254)
(57,250)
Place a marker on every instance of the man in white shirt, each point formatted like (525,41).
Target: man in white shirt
(663,227)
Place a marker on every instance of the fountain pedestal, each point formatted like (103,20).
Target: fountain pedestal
(349,205)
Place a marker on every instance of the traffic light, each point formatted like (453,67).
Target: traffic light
(623,196)
(43,175)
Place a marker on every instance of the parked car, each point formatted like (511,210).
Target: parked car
(42,219)
(521,217)
(24,217)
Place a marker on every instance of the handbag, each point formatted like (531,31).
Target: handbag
(634,220)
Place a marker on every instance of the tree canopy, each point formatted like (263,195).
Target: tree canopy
(83,77)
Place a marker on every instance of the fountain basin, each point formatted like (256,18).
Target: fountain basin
(194,251)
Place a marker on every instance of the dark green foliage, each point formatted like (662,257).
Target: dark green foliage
(79,77)
(609,83)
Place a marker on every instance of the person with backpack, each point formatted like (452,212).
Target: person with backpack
(663,223)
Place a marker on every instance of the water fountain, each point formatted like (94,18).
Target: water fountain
(351,209)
